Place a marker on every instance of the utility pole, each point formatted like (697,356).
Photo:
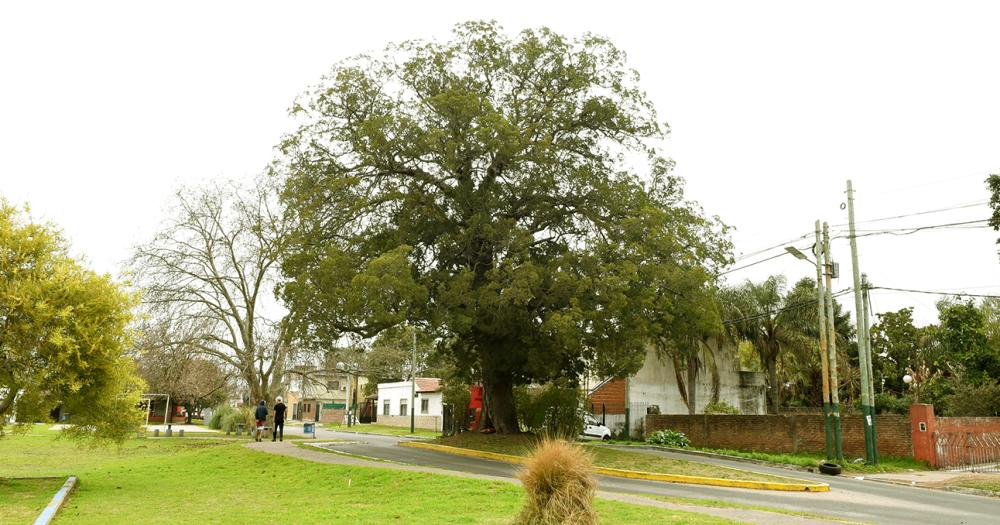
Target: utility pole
(823,357)
(832,346)
(866,301)
(413,384)
(866,402)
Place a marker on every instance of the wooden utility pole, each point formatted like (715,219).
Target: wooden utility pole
(863,357)
(823,357)
(831,330)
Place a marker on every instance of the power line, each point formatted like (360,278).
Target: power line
(751,264)
(769,248)
(793,306)
(959,294)
(926,212)
(910,231)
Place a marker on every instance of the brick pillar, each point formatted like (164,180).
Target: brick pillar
(922,428)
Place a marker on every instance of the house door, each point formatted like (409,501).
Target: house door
(317,410)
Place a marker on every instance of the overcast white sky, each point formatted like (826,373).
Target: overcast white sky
(105,108)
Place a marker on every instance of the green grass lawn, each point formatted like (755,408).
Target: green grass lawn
(22,500)
(220,481)
(521,445)
(374,428)
(885,465)
(989,483)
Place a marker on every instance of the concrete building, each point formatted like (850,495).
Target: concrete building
(654,388)
(323,396)
(394,404)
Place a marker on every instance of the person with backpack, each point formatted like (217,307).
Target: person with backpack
(261,416)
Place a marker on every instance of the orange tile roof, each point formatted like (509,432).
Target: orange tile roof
(428,384)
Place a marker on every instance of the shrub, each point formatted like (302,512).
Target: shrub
(217,414)
(560,486)
(553,410)
(973,401)
(721,407)
(668,438)
(242,415)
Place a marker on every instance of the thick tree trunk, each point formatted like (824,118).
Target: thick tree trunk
(499,398)
(692,373)
(774,390)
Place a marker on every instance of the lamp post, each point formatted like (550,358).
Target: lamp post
(413,384)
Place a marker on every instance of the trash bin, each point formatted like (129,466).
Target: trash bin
(309,428)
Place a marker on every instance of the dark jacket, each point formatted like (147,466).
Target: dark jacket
(279,412)
(261,413)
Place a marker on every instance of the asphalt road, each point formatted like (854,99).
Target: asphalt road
(849,498)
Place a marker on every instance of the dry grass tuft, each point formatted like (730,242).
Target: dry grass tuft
(560,485)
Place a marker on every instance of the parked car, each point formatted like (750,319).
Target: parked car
(593,428)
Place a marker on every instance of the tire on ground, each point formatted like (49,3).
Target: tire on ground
(831,469)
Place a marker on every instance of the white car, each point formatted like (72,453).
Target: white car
(593,428)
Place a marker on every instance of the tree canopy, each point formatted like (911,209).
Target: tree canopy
(207,277)
(506,193)
(64,334)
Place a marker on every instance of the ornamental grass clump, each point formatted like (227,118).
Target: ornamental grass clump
(560,485)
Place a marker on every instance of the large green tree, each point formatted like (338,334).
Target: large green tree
(506,193)
(64,333)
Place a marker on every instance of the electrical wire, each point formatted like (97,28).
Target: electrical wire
(751,264)
(926,212)
(769,248)
(910,231)
(793,306)
(958,294)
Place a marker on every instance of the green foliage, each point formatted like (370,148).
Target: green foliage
(552,410)
(973,400)
(721,407)
(898,345)
(964,341)
(782,327)
(237,416)
(668,438)
(218,414)
(993,185)
(506,193)
(64,338)
(889,403)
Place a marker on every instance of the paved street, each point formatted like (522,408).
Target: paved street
(850,499)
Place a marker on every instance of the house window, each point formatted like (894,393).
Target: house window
(333,385)
(425,405)
(385,408)
(402,407)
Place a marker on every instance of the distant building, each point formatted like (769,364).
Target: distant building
(394,404)
(322,396)
(653,389)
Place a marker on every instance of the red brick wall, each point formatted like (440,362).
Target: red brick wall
(778,433)
(968,424)
(611,395)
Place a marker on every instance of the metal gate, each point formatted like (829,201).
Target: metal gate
(968,451)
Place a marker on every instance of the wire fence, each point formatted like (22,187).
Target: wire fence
(968,451)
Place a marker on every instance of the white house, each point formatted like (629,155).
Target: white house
(394,404)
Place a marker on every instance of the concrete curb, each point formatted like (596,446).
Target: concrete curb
(47,515)
(803,486)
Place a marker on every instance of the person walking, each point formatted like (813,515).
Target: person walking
(261,416)
(279,420)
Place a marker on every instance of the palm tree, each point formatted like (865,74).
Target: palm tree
(761,314)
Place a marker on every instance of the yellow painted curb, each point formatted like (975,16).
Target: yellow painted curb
(804,486)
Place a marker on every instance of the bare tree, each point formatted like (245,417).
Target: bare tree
(208,276)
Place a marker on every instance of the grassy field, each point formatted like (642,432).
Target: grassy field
(987,482)
(606,457)
(886,464)
(220,481)
(22,500)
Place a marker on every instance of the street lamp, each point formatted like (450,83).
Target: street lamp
(796,253)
